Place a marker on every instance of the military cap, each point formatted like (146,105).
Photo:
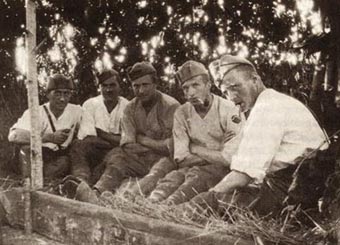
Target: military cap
(141,69)
(219,68)
(107,74)
(59,81)
(190,69)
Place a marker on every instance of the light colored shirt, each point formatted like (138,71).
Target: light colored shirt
(279,131)
(69,119)
(190,128)
(97,116)
(157,124)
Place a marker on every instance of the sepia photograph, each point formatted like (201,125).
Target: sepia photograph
(168,122)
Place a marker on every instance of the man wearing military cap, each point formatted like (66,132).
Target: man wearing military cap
(279,132)
(58,122)
(202,128)
(100,129)
(146,134)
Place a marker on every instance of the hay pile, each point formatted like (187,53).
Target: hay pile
(240,224)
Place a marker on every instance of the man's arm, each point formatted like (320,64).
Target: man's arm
(231,182)
(161,146)
(135,148)
(113,139)
(191,160)
(208,155)
(22,136)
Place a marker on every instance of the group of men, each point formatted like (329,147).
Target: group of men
(207,153)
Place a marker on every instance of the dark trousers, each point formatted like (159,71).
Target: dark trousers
(87,157)
(121,165)
(267,198)
(56,164)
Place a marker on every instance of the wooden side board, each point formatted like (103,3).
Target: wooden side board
(72,222)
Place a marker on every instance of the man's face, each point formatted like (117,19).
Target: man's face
(110,89)
(241,89)
(144,88)
(59,98)
(196,90)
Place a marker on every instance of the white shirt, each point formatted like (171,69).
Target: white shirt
(279,131)
(69,119)
(97,116)
(210,131)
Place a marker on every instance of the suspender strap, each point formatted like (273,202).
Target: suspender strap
(51,122)
(49,118)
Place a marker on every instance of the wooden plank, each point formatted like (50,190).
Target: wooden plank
(73,222)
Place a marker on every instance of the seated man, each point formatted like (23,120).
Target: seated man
(202,126)
(146,133)
(58,122)
(100,128)
(279,133)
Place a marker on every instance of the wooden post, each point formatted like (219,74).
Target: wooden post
(33,95)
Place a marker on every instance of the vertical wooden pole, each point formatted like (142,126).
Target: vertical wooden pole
(33,96)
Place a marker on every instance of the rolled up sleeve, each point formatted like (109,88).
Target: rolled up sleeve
(181,138)
(128,127)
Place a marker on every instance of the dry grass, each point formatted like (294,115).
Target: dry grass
(286,230)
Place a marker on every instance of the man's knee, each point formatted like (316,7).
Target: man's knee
(57,168)
(163,166)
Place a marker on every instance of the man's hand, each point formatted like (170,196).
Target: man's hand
(142,139)
(231,182)
(59,136)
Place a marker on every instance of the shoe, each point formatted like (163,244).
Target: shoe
(68,186)
(84,193)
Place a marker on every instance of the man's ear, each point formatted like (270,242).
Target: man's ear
(255,78)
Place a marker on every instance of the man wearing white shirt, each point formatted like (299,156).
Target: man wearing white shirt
(279,132)
(58,122)
(100,128)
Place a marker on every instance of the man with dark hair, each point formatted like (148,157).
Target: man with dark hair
(146,134)
(100,129)
(58,122)
(279,133)
(202,128)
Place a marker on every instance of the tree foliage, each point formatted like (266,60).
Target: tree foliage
(167,33)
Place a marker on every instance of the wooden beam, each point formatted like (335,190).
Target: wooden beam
(72,222)
(33,96)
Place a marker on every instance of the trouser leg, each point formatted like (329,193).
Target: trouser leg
(198,179)
(25,161)
(157,172)
(120,165)
(264,199)
(86,154)
(166,186)
(56,163)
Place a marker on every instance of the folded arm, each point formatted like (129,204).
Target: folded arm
(113,139)
(161,146)
(211,156)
